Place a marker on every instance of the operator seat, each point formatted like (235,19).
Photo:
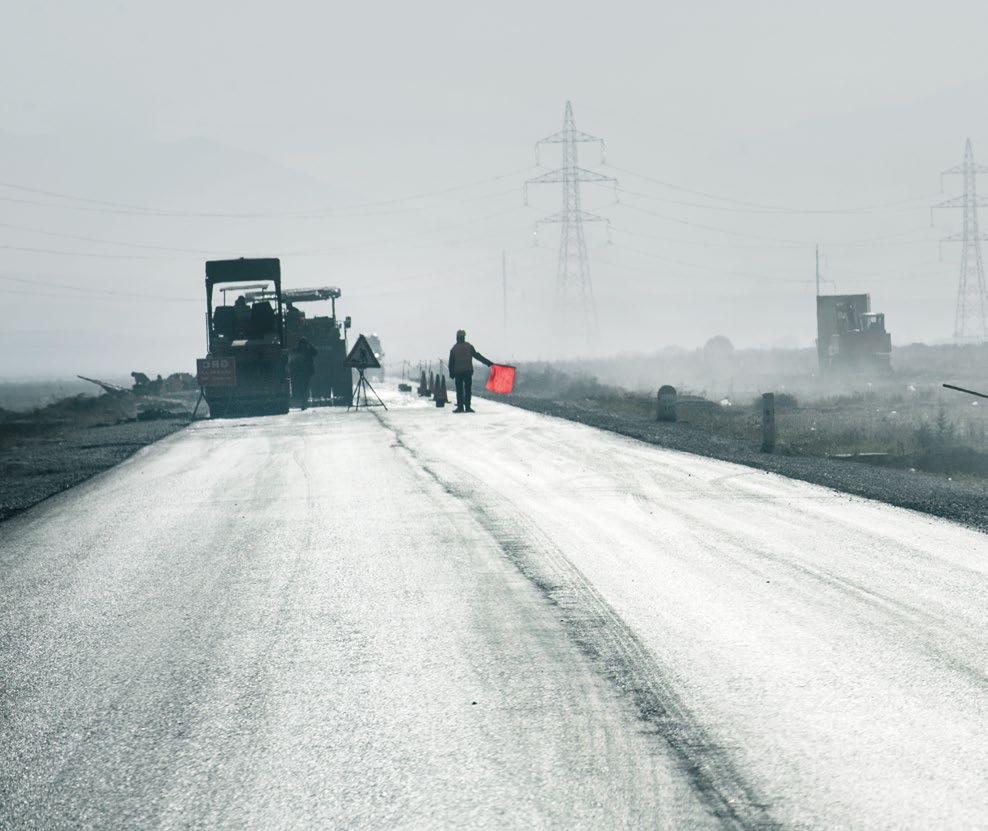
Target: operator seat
(225,321)
(262,320)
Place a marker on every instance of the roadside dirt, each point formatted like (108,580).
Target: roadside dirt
(50,449)
(41,465)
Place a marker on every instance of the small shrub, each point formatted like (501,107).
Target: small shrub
(944,427)
(924,436)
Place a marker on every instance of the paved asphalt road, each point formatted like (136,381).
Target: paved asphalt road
(410,619)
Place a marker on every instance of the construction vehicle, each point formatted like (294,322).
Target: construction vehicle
(851,337)
(245,372)
(332,382)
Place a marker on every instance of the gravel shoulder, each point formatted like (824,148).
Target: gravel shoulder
(38,463)
(960,500)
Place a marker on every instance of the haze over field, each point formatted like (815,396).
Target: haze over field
(383,149)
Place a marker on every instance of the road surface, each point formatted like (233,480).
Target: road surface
(410,619)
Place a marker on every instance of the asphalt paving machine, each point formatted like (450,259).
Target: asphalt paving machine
(332,382)
(245,372)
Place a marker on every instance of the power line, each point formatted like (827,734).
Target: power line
(90,290)
(761,276)
(896,239)
(88,254)
(433,272)
(89,296)
(379,242)
(881,241)
(106,241)
(731,209)
(778,240)
(762,207)
(714,228)
(674,293)
(105,206)
(715,269)
(706,243)
(216,253)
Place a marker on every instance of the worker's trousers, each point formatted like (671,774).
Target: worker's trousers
(300,388)
(464,389)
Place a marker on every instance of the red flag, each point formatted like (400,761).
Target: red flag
(501,379)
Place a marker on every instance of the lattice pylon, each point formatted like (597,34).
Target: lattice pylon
(971,314)
(574,286)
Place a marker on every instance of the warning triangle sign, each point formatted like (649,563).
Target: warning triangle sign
(362,356)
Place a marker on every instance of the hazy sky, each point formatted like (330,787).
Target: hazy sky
(840,113)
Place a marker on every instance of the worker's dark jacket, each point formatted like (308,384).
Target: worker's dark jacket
(303,360)
(461,358)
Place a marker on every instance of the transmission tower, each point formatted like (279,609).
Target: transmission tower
(574,289)
(971,318)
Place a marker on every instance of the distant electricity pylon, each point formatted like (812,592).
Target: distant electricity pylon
(971,318)
(573,284)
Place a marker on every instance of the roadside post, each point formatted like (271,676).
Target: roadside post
(768,422)
(667,403)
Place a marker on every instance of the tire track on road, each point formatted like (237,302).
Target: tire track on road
(612,647)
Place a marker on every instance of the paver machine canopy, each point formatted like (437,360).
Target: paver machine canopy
(332,381)
(245,370)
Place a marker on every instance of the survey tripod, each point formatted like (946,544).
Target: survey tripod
(362,386)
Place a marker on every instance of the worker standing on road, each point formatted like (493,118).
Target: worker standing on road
(303,364)
(461,358)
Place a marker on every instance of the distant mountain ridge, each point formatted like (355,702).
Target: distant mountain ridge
(192,174)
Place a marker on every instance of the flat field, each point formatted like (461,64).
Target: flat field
(903,419)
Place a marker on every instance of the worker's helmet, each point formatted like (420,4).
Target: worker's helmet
(461,334)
